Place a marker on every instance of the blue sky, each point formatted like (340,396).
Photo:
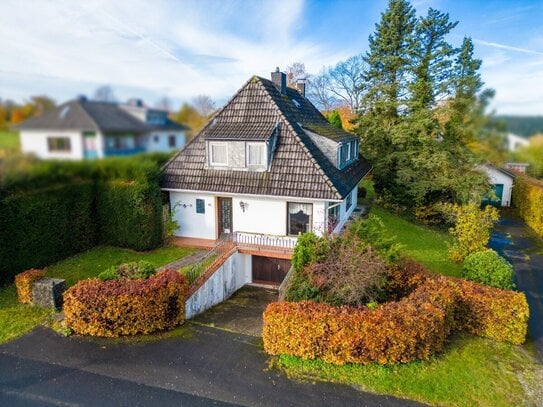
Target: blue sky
(180,49)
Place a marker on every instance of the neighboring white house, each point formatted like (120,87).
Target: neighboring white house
(502,180)
(267,168)
(514,142)
(81,129)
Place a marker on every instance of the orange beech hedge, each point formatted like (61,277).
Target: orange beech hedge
(412,328)
(126,307)
(23,282)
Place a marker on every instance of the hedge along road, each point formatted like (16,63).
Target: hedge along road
(524,250)
(203,366)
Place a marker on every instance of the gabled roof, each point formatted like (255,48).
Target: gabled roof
(299,168)
(88,115)
(239,131)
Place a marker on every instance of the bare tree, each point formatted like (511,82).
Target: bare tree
(104,93)
(318,91)
(164,103)
(346,81)
(295,72)
(204,105)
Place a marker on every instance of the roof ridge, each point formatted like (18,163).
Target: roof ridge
(78,103)
(300,141)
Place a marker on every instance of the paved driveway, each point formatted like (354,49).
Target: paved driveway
(202,366)
(524,250)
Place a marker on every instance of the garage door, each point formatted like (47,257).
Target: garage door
(268,270)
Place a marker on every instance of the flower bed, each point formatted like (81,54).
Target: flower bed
(414,327)
(126,307)
(23,282)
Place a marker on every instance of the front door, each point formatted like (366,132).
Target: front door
(224,216)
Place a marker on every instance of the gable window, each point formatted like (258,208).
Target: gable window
(172,141)
(344,151)
(59,144)
(218,154)
(255,154)
(299,218)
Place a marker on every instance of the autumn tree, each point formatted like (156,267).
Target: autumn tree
(191,117)
(334,119)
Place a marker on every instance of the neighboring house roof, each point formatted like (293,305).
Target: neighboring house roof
(299,167)
(502,170)
(88,115)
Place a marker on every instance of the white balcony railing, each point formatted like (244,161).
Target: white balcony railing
(264,241)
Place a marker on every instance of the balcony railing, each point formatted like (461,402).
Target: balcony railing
(264,242)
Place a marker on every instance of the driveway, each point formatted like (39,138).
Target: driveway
(524,250)
(198,366)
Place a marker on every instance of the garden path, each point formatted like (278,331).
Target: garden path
(185,261)
(514,240)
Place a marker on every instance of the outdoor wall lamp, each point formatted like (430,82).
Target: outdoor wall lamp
(243,205)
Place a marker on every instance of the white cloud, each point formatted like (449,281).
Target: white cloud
(172,48)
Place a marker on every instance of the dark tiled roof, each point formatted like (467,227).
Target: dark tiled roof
(238,131)
(93,116)
(298,169)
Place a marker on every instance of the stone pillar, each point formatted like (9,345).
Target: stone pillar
(47,292)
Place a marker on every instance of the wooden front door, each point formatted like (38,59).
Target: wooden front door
(269,270)
(224,217)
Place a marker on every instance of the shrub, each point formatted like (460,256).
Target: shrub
(23,282)
(109,274)
(492,313)
(528,199)
(309,248)
(471,230)
(489,268)
(430,214)
(126,307)
(415,327)
(373,232)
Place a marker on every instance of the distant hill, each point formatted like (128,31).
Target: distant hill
(525,126)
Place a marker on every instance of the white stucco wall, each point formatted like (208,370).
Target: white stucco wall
(35,142)
(266,215)
(161,142)
(233,274)
(497,177)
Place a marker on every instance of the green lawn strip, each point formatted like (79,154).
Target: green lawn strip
(472,372)
(16,318)
(423,244)
(9,140)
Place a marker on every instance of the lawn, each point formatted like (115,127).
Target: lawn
(425,245)
(16,318)
(9,140)
(472,372)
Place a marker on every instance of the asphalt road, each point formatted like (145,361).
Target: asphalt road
(204,366)
(524,250)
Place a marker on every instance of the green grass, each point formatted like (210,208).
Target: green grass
(425,245)
(472,372)
(16,318)
(9,140)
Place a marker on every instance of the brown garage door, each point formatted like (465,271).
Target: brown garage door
(269,270)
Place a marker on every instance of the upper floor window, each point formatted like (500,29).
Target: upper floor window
(59,144)
(172,142)
(255,154)
(348,152)
(218,153)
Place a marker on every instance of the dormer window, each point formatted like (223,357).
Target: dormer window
(218,154)
(256,153)
(347,153)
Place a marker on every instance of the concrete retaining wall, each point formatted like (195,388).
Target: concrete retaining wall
(233,274)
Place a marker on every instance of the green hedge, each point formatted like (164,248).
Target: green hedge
(51,210)
(528,199)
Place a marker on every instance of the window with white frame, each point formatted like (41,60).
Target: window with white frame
(218,154)
(255,154)
(299,218)
(59,144)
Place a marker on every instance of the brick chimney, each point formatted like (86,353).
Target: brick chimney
(300,85)
(280,81)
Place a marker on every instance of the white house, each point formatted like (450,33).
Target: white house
(82,128)
(267,168)
(515,142)
(502,180)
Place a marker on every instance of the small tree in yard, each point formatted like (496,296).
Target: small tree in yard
(471,230)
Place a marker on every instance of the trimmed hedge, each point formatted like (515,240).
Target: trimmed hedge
(489,268)
(51,210)
(413,328)
(23,283)
(126,307)
(528,199)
